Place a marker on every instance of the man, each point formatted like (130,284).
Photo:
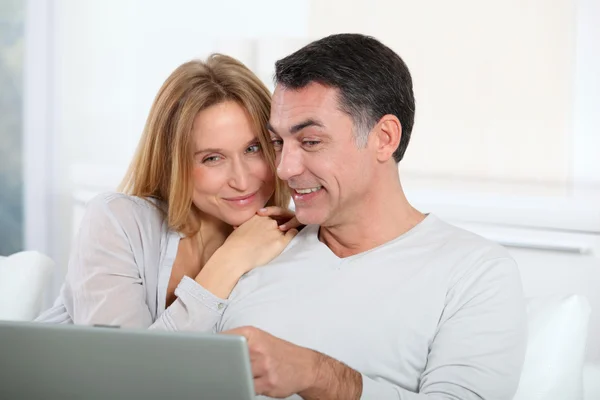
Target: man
(373,299)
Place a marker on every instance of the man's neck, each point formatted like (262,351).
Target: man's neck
(385,216)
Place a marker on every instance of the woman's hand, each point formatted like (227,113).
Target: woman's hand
(256,242)
(285,218)
(252,244)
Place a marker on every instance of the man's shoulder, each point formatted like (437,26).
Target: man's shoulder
(469,256)
(453,239)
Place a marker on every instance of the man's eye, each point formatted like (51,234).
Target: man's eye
(277,143)
(311,143)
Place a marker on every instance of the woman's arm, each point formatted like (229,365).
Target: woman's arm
(104,284)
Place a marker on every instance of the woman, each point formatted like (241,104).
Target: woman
(166,253)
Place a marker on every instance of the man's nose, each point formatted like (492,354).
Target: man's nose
(290,163)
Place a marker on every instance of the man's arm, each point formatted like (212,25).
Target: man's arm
(332,380)
(281,369)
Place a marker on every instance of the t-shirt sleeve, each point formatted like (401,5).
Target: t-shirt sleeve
(479,347)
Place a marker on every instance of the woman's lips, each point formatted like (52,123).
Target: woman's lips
(241,200)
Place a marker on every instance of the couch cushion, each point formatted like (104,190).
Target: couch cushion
(558,330)
(24,277)
(591,381)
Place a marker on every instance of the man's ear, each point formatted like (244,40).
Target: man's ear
(387,134)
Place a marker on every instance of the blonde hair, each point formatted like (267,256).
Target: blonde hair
(163,163)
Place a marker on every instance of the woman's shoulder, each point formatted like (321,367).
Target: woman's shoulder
(124,208)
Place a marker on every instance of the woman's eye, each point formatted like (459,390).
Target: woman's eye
(211,159)
(253,148)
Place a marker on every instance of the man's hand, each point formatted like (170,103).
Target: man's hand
(281,369)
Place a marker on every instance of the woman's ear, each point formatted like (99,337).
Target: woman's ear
(387,134)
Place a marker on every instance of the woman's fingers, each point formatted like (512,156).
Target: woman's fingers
(289,235)
(276,213)
(291,224)
(285,218)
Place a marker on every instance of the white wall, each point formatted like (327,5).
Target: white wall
(111,57)
(586,164)
(493,81)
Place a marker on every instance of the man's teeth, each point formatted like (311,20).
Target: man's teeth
(309,190)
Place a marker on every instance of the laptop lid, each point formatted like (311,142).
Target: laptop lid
(43,361)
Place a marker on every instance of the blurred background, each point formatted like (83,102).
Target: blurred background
(506,139)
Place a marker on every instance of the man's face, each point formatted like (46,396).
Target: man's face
(328,173)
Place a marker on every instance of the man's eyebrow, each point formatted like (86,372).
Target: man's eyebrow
(298,127)
(309,122)
(270,128)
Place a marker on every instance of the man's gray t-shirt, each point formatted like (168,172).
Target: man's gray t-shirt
(437,311)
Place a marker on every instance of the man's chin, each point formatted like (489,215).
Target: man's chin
(309,217)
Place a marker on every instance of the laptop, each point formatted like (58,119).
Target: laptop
(43,361)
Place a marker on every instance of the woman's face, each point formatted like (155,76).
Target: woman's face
(232,179)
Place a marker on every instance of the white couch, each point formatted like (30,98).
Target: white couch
(24,279)
(591,381)
(558,331)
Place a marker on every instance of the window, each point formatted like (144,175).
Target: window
(11,94)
